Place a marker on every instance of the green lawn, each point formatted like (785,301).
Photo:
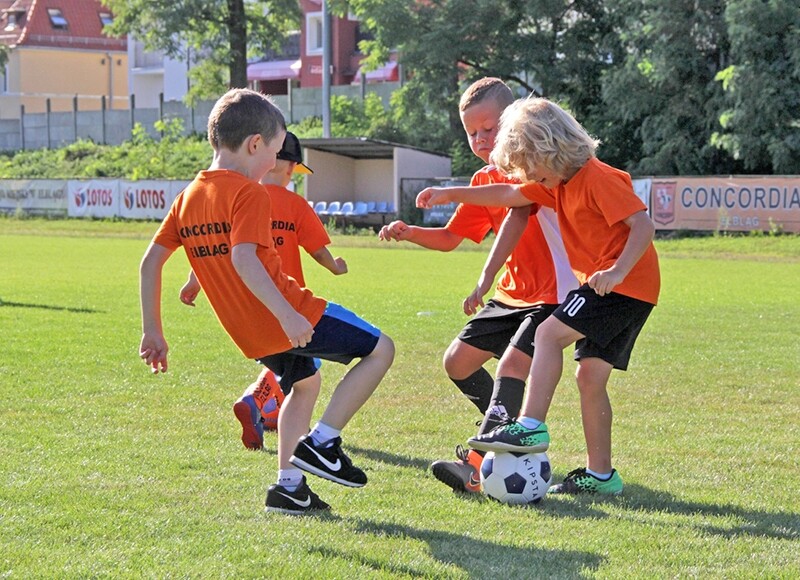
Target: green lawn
(109,471)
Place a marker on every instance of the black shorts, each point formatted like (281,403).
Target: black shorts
(496,326)
(610,324)
(339,336)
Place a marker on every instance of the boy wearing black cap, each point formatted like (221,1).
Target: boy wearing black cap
(294,225)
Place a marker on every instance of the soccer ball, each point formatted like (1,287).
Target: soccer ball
(516,478)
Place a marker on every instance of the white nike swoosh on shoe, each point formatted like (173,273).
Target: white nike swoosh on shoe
(335,466)
(304,504)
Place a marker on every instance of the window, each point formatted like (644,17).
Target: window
(314,33)
(105,18)
(57,19)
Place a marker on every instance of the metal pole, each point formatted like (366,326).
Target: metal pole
(75,118)
(22,126)
(132,106)
(326,70)
(47,117)
(103,112)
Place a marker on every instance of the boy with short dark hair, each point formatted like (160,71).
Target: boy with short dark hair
(219,219)
(294,225)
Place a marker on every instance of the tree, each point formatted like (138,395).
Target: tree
(557,49)
(663,93)
(221,32)
(761,126)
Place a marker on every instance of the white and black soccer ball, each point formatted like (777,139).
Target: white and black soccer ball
(516,478)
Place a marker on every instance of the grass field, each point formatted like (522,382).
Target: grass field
(109,471)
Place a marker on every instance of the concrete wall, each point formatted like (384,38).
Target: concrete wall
(333,178)
(114,126)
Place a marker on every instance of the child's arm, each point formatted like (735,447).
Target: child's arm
(510,232)
(190,290)
(494,195)
(639,239)
(440,239)
(153,347)
(252,272)
(324,258)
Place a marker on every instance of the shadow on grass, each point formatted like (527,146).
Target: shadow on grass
(476,557)
(390,458)
(637,498)
(48,307)
(762,523)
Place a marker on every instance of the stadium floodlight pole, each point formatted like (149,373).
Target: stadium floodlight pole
(326,70)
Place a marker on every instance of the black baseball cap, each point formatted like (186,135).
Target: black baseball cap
(291,151)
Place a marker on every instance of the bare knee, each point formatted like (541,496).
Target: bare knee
(384,349)
(461,360)
(514,363)
(592,376)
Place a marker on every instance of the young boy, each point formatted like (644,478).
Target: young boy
(536,279)
(219,219)
(294,225)
(608,236)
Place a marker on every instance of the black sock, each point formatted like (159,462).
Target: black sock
(506,402)
(477,388)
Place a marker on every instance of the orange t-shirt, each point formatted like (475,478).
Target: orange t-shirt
(530,275)
(217,211)
(591,208)
(294,225)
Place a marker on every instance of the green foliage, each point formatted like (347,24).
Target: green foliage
(670,87)
(142,157)
(760,125)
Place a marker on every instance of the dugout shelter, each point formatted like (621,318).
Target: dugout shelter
(366,175)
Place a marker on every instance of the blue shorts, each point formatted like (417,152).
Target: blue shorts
(339,336)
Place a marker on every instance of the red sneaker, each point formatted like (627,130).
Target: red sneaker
(269,398)
(249,415)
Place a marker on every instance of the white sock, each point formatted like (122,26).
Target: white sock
(528,422)
(322,433)
(601,476)
(290,478)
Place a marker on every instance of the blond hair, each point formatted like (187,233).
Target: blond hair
(485,89)
(537,132)
(240,113)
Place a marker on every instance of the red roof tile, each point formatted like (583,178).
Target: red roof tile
(33,26)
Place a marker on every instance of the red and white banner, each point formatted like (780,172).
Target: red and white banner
(96,198)
(148,199)
(726,203)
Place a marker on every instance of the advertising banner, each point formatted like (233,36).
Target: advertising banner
(147,199)
(726,203)
(95,198)
(641,187)
(33,195)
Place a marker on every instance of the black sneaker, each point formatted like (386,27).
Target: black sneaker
(300,501)
(327,462)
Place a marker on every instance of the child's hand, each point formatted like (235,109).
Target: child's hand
(474,301)
(190,291)
(298,329)
(431,196)
(397,230)
(340,266)
(604,281)
(153,351)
